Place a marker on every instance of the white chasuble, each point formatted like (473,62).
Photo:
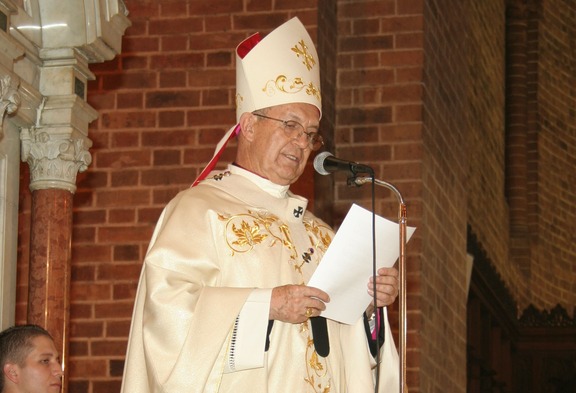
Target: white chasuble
(200,321)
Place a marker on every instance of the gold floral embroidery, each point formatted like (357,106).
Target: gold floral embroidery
(246,231)
(315,368)
(290,86)
(320,235)
(253,228)
(302,50)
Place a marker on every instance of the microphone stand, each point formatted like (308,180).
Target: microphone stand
(358,181)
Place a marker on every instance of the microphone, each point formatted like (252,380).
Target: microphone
(325,163)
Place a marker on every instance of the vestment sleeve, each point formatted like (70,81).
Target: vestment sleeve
(247,345)
(183,319)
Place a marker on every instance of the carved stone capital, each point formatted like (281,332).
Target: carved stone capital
(54,159)
(9,98)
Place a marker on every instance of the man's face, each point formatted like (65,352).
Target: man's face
(42,371)
(274,154)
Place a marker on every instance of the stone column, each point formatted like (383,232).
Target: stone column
(61,37)
(56,149)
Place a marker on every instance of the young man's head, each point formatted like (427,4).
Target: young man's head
(29,361)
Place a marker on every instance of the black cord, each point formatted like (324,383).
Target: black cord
(374,275)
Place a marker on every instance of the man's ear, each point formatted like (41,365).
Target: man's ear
(11,372)
(247,121)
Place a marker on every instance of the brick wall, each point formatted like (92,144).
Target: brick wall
(553,181)
(379,123)
(414,88)
(445,164)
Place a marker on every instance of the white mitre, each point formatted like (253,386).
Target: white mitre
(281,68)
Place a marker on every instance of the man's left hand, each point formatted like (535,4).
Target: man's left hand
(386,287)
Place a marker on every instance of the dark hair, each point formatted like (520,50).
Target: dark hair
(16,344)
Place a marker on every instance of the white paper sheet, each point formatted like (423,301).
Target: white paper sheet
(346,267)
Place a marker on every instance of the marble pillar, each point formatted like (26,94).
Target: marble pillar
(54,159)
(50,261)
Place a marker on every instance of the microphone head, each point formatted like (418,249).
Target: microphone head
(319,162)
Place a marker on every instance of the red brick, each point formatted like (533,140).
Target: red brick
(216,97)
(168,138)
(217,23)
(78,348)
(124,234)
(127,80)
(219,59)
(92,179)
(111,198)
(357,44)
(93,253)
(262,23)
(125,178)
(124,159)
(167,157)
(357,78)
(365,115)
(87,217)
(81,311)
(215,7)
(121,216)
(171,9)
(141,44)
(115,309)
(172,26)
(409,40)
(151,215)
(126,252)
(210,117)
(211,78)
(171,99)
(134,63)
(169,119)
(88,367)
(108,347)
(167,176)
(124,139)
(107,386)
(403,24)
(102,101)
(408,113)
(118,328)
(83,235)
(362,9)
(125,291)
(116,120)
(176,61)
(172,78)
(178,43)
(130,100)
(83,273)
(82,292)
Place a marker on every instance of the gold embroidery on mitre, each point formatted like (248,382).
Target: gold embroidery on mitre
(238,100)
(290,86)
(302,50)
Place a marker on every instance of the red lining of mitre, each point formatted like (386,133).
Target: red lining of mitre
(248,44)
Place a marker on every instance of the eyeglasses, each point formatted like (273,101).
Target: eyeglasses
(295,130)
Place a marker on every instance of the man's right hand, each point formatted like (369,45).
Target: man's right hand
(297,303)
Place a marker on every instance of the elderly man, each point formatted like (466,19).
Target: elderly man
(222,303)
(29,360)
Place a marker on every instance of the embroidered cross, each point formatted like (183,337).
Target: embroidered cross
(298,212)
(307,256)
(302,50)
